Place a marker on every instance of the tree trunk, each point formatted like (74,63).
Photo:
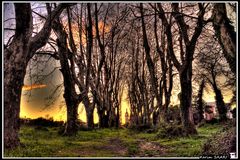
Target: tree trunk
(101,117)
(186,101)
(90,120)
(225,34)
(14,72)
(72,116)
(118,118)
(71,98)
(222,110)
(16,57)
(200,101)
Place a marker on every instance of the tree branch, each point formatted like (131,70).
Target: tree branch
(41,38)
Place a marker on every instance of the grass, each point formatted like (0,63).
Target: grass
(189,146)
(107,143)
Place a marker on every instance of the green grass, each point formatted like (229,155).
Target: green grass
(189,146)
(107,143)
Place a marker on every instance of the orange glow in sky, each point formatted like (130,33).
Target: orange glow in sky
(33,86)
(75,29)
(31,109)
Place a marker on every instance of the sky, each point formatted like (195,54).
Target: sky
(34,105)
(35,93)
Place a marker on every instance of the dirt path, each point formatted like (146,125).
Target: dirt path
(150,149)
(112,147)
(116,145)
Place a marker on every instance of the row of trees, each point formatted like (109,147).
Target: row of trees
(104,48)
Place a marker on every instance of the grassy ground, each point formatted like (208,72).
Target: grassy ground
(107,143)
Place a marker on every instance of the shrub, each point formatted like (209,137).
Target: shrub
(171,131)
(41,128)
(132,150)
(173,114)
(140,127)
(221,143)
(61,130)
(212,121)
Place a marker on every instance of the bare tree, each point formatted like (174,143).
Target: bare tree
(211,67)
(150,63)
(16,56)
(184,69)
(109,66)
(166,67)
(72,99)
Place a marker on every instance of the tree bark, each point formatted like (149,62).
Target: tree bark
(13,82)
(225,34)
(186,101)
(72,115)
(103,119)
(222,110)
(72,99)
(200,101)
(89,110)
(15,64)
(168,92)
(90,121)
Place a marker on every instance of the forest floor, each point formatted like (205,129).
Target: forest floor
(46,142)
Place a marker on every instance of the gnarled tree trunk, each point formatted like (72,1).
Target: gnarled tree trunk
(225,34)
(16,57)
(72,114)
(186,101)
(14,72)
(222,110)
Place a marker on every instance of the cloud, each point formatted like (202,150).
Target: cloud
(33,86)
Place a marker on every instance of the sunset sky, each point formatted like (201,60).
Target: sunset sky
(34,105)
(34,95)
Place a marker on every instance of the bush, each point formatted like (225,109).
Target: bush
(80,127)
(41,122)
(173,114)
(171,131)
(233,112)
(141,127)
(84,128)
(132,150)
(212,121)
(221,143)
(61,130)
(41,128)
(152,130)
